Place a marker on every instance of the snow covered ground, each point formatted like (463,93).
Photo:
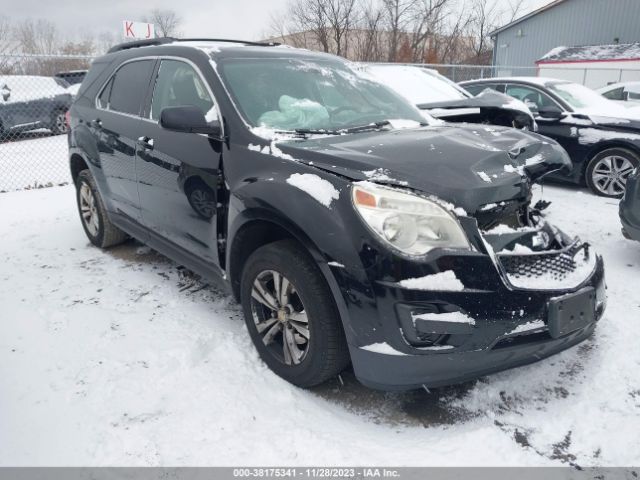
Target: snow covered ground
(33,159)
(122,358)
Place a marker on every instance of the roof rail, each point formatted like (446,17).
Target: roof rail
(227,40)
(141,43)
(164,40)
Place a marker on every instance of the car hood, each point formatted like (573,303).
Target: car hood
(486,99)
(468,165)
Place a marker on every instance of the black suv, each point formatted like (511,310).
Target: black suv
(351,227)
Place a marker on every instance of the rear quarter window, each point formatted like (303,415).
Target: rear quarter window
(130,85)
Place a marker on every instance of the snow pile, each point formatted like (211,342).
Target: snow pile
(451,317)
(528,327)
(382,175)
(383,348)
(517,249)
(484,177)
(319,188)
(443,281)
(550,280)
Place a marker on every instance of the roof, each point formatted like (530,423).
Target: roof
(527,16)
(593,53)
(540,81)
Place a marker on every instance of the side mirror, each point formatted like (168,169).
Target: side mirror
(5,95)
(188,119)
(551,112)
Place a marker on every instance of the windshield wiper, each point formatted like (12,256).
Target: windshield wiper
(317,131)
(376,126)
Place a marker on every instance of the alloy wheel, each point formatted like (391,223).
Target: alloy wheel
(89,210)
(610,174)
(280,317)
(61,123)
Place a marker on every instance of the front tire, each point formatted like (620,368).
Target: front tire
(291,315)
(99,229)
(607,172)
(59,123)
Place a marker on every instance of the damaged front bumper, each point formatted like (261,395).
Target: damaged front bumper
(532,293)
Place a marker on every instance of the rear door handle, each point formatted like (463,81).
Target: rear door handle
(146,142)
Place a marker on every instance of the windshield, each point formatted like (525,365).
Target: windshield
(416,84)
(581,98)
(288,94)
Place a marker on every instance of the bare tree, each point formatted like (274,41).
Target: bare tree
(399,14)
(167,22)
(7,45)
(310,16)
(340,16)
(368,42)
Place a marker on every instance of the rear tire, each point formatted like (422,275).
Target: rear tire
(93,216)
(301,309)
(607,172)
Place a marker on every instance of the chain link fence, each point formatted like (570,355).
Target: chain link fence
(36,92)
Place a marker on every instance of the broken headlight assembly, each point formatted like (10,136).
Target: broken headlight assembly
(407,222)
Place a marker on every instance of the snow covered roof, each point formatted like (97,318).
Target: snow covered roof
(541,81)
(593,53)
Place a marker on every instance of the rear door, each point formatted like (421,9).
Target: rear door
(179,173)
(117,125)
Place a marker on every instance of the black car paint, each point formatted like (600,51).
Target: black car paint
(630,207)
(32,114)
(603,133)
(255,204)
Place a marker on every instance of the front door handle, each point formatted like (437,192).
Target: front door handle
(146,142)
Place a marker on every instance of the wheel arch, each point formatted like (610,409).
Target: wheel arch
(608,145)
(255,230)
(77,163)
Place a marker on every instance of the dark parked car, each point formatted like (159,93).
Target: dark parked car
(601,137)
(29,102)
(444,99)
(72,77)
(630,207)
(349,228)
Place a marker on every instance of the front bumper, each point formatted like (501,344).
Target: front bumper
(509,324)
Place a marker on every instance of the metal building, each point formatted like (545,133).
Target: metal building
(566,23)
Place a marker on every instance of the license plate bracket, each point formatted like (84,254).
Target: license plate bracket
(571,312)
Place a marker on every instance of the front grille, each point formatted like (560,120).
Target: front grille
(548,270)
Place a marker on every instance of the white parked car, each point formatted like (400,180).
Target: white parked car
(625,92)
(444,99)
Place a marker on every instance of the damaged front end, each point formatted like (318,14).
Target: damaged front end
(523,291)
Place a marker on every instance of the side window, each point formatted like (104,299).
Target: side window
(476,90)
(178,84)
(103,99)
(129,87)
(534,99)
(617,94)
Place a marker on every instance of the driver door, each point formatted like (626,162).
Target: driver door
(178,173)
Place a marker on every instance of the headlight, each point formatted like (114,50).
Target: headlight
(411,224)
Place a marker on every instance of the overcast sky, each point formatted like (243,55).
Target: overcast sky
(242,19)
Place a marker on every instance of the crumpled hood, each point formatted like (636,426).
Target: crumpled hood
(467,165)
(487,99)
